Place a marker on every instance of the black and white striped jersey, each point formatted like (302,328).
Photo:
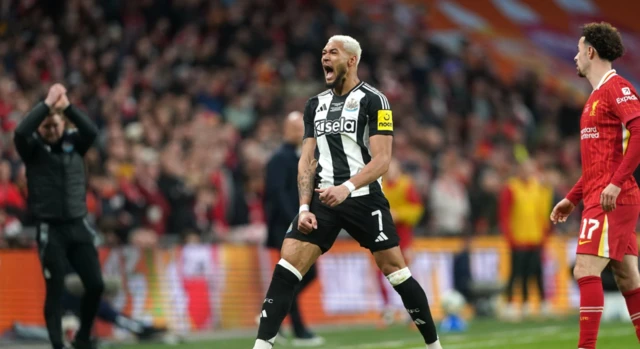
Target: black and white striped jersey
(342,126)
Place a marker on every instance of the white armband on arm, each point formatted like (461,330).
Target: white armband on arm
(350,186)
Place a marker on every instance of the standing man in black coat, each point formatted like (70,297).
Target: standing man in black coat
(56,182)
(281,206)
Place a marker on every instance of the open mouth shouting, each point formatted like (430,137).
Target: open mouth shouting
(328,73)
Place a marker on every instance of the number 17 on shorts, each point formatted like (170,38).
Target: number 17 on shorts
(608,234)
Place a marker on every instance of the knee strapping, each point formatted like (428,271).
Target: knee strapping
(290,268)
(398,277)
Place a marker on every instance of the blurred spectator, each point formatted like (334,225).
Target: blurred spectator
(177,190)
(281,178)
(406,205)
(484,202)
(204,84)
(449,199)
(525,205)
(12,203)
(151,208)
(12,210)
(481,295)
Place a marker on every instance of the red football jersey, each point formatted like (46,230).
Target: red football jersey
(604,137)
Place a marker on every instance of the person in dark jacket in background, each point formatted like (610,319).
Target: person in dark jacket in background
(281,207)
(56,181)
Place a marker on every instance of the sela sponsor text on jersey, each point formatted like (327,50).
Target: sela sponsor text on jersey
(338,126)
(342,126)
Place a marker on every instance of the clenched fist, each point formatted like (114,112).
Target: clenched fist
(333,196)
(55,92)
(307,222)
(62,103)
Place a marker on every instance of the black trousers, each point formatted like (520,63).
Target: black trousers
(61,244)
(526,264)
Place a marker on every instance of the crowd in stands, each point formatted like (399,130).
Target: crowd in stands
(189,97)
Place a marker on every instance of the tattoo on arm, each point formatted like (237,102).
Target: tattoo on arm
(306,176)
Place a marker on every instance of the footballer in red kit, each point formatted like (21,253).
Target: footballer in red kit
(610,151)
(604,141)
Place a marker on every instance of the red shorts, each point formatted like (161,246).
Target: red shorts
(609,234)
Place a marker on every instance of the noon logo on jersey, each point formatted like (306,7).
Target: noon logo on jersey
(385,120)
(337,126)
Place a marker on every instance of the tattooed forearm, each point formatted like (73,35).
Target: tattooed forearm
(306,171)
(306,176)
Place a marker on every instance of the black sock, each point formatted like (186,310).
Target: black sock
(415,300)
(277,303)
(297,323)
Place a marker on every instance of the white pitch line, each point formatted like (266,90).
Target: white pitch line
(454,338)
(379,345)
(508,333)
(526,340)
(524,336)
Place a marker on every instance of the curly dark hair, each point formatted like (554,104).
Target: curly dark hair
(605,38)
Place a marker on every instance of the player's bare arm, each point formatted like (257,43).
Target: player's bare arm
(563,209)
(306,174)
(306,171)
(381,146)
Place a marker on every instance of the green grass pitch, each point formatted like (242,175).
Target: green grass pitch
(481,334)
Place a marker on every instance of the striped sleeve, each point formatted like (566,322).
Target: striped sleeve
(308,116)
(379,112)
(624,101)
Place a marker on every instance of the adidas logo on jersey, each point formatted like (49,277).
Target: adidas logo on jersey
(337,126)
(322,108)
(419,322)
(381,237)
